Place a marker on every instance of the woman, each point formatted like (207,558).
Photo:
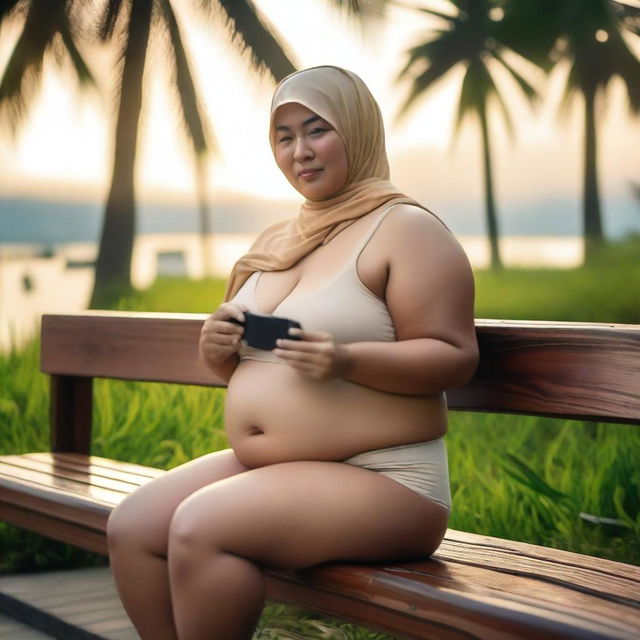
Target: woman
(336,436)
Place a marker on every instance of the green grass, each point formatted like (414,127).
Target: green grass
(604,292)
(515,477)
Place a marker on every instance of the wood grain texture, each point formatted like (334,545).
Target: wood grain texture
(129,346)
(473,587)
(573,370)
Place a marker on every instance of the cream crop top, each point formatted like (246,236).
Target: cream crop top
(342,306)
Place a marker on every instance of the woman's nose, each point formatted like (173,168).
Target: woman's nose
(302,150)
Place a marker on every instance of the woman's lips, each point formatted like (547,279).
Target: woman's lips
(308,174)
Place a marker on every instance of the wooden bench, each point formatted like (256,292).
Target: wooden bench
(473,587)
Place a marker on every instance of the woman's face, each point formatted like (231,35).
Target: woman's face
(309,151)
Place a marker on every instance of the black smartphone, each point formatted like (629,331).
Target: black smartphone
(261,331)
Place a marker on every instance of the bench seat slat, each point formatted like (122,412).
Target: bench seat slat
(34,469)
(476,611)
(557,594)
(125,471)
(531,586)
(11,473)
(552,566)
(570,559)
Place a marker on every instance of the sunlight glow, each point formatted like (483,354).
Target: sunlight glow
(68,138)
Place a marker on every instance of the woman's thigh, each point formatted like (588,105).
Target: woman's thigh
(297,514)
(145,515)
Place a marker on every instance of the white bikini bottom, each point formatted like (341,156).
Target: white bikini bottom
(422,467)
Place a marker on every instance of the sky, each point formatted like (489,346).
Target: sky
(65,149)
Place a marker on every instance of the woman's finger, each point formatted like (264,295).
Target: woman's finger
(230,310)
(297,345)
(293,356)
(311,336)
(223,326)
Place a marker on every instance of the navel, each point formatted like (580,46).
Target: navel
(255,431)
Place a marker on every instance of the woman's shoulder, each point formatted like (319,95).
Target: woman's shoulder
(407,220)
(415,238)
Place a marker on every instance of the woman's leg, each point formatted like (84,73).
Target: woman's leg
(138,533)
(290,515)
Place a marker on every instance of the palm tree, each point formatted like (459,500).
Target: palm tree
(591,37)
(132,23)
(50,31)
(471,38)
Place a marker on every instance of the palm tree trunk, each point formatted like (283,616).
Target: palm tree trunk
(592,218)
(203,212)
(113,265)
(490,207)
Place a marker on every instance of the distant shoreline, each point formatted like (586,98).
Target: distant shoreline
(34,221)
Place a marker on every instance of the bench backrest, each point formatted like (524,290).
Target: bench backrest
(573,370)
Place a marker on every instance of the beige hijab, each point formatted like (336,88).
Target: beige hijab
(342,99)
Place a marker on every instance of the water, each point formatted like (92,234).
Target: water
(32,283)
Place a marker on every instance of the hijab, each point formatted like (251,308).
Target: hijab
(342,99)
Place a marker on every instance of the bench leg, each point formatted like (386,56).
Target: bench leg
(70,413)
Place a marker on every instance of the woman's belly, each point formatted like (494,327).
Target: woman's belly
(273,414)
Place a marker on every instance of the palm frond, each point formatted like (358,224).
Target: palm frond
(626,64)
(362,8)
(525,86)
(531,29)
(629,16)
(427,63)
(7,7)
(421,83)
(82,71)
(492,91)
(571,91)
(251,32)
(447,17)
(473,94)
(45,23)
(183,82)
(362,16)
(20,81)
(597,49)
(112,13)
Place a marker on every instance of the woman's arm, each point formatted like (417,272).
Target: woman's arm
(430,296)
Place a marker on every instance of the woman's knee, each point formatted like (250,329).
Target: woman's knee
(129,525)
(206,523)
(119,526)
(189,535)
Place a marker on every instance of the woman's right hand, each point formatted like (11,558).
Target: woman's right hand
(220,338)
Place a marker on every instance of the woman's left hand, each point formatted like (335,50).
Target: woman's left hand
(315,354)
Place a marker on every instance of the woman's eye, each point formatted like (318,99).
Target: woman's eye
(284,139)
(318,131)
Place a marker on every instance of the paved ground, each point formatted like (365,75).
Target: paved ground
(79,604)
(11,629)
